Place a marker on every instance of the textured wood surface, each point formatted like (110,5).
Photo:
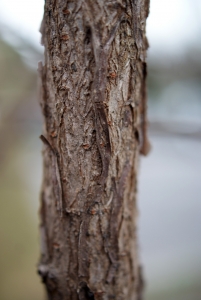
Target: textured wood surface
(94,106)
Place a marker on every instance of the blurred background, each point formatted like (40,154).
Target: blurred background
(170,177)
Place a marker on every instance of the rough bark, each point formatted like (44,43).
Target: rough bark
(94,105)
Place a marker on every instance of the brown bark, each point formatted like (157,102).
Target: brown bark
(93,101)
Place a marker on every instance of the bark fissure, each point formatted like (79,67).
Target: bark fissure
(94,106)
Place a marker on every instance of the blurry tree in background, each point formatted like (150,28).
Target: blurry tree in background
(19,123)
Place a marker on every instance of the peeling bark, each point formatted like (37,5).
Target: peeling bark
(94,106)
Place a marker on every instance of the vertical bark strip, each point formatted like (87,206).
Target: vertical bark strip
(94,106)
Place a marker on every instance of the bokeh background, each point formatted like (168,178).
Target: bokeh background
(170,177)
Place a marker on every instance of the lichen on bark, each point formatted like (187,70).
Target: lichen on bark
(94,104)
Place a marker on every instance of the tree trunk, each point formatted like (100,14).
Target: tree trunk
(93,102)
